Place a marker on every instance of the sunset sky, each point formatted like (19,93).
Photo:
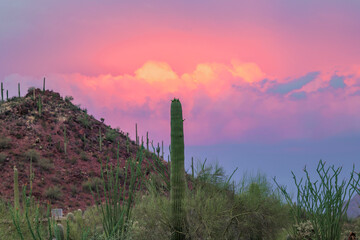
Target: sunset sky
(265,85)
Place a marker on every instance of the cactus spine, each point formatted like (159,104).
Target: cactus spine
(16,190)
(2,92)
(19,89)
(177,177)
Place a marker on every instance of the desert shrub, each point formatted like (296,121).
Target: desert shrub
(3,157)
(84,156)
(53,193)
(213,211)
(32,154)
(91,184)
(87,224)
(45,164)
(111,135)
(31,89)
(84,120)
(4,142)
(68,99)
(74,190)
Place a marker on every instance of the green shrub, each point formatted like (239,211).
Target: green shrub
(84,120)
(111,135)
(84,156)
(3,157)
(45,164)
(32,154)
(4,142)
(53,193)
(68,99)
(91,184)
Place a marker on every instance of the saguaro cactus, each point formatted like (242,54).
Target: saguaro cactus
(2,92)
(16,190)
(136,139)
(65,141)
(44,85)
(19,89)
(147,141)
(100,139)
(7,95)
(177,177)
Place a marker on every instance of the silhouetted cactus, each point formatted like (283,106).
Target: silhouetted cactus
(2,92)
(147,141)
(44,85)
(7,95)
(136,139)
(19,89)
(177,177)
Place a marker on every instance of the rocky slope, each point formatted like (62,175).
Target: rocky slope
(38,129)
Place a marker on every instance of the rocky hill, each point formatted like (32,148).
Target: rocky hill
(63,142)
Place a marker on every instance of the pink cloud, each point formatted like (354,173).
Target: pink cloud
(221,102)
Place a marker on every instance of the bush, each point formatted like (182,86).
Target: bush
(111,135)
(3,157)
(68,99)
(45,164)
(53,193)
(84,121)
(32,154)
(213,211)
(91,184)
(83,156)
(4,142)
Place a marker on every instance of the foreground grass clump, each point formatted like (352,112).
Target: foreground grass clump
(214,211)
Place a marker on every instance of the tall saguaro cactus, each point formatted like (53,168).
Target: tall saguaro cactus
(44,85)
(177,177)
(19,89)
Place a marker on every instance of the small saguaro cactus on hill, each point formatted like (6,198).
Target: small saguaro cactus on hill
(177,177)
(19,89)
(2,92)
(44,85)
(147,141)
(40,105)
(100,139)
(65,140)
(7,95)
(16,190)
(136,139)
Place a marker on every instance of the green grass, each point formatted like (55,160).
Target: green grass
(255,210)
